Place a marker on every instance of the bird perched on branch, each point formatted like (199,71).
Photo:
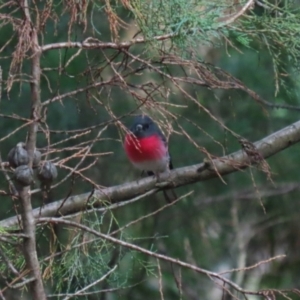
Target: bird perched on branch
(147,149)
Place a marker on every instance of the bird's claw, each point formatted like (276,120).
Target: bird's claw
(207,165)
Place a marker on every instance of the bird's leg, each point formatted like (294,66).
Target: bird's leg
(165,182)
(157,177)
(169,172)
(169,194)
(143,174)
(159,183)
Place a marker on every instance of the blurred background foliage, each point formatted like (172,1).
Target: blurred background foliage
(221,226)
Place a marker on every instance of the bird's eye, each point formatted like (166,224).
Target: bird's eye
(139,127)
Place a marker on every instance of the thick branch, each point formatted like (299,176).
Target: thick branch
(268,146)
(28,221)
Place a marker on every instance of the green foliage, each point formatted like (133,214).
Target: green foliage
(262,48)
(13,255)
(190,22)
(198,23)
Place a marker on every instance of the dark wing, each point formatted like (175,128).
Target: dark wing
(170,163)
(166,143)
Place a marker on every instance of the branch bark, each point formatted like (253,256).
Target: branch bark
(268,146)
(28,221)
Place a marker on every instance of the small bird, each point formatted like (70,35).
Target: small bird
(147,149)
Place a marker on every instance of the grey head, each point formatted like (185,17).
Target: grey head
(143,126)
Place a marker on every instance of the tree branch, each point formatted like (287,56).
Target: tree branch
(268,146)
(105,45)
(80,90)
(176,261)
(233,17)
(96,44)
(28,222)
(80,292)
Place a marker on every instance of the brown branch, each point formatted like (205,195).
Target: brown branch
(80,90)
(28,223)
(226,20)
(266,261)
(92,43)
(104,45)
(268,146)
(150,214)
(81,292)
(96,291)
(153,254)
(265,191)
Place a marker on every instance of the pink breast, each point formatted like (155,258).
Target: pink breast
(148,148)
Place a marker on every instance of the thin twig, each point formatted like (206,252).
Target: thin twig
(92,284)
(151,253)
